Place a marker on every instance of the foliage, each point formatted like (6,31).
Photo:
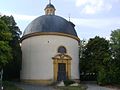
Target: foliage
(115,49)
(68,82)
(103,58)
(115,46)
(82,63)
(96,53)
(5,49)
(12,69)
(9,86)
(82,47)
(95,58)
(101,78)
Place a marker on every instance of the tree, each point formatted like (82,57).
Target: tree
(83,68)
(96,56)
(5,49)
(115,49)
(12,70)
(115,45)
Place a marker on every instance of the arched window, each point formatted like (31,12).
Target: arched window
(61,49)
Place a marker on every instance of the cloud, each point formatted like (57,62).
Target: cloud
(81,2)
(93,6)
(24,17)
(21,20)
(87,28)
(97,23)
(21,16)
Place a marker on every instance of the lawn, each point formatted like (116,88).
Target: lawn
(9,86)
(71,88)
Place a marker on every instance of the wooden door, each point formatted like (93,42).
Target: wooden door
(61,72)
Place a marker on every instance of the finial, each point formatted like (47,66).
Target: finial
(49,1)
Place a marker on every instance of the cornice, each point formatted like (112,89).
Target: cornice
(49,33)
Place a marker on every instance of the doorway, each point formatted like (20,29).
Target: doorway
(62,67)
(61,72)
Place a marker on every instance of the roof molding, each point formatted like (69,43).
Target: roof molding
(49,33)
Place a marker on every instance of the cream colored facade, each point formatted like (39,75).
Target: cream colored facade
(39,54)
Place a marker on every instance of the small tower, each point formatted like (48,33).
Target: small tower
(50,9)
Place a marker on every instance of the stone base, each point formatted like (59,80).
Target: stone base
(41,82)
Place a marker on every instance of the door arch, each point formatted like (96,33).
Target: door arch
(62,60)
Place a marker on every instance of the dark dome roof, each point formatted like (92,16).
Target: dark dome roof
(50,23)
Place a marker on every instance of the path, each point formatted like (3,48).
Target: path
(94,86)
(90,86)
(33,87)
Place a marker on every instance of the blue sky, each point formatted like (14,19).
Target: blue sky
(91,17)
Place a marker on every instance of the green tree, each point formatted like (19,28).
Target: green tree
(83,62)
(5,49)
(115,49)
(115,45)
(12,70)
(96,56)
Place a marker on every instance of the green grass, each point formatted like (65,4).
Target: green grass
(71,88)
(9,86)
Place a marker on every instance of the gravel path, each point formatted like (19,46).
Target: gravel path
(33,87)
(90,86)
(93,86)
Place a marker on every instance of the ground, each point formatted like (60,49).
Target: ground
(96,87)
(25,86)
(90,86)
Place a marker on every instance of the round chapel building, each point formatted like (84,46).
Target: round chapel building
(50,49)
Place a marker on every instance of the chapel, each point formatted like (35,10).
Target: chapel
(50,49)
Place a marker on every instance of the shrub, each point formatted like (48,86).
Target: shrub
(101,78)
(68,82)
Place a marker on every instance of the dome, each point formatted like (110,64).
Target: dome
(50,23)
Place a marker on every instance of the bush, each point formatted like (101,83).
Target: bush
(10,86)
(68,82)
(101,78)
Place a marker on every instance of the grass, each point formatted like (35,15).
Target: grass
(9,86)
(71,88)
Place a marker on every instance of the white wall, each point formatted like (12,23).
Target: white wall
(37,56)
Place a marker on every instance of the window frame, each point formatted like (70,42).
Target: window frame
(62,47)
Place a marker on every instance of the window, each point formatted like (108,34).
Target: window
(61,49)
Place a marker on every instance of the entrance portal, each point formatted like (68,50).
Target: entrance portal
(62,67)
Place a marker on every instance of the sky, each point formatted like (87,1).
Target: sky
(91,17)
